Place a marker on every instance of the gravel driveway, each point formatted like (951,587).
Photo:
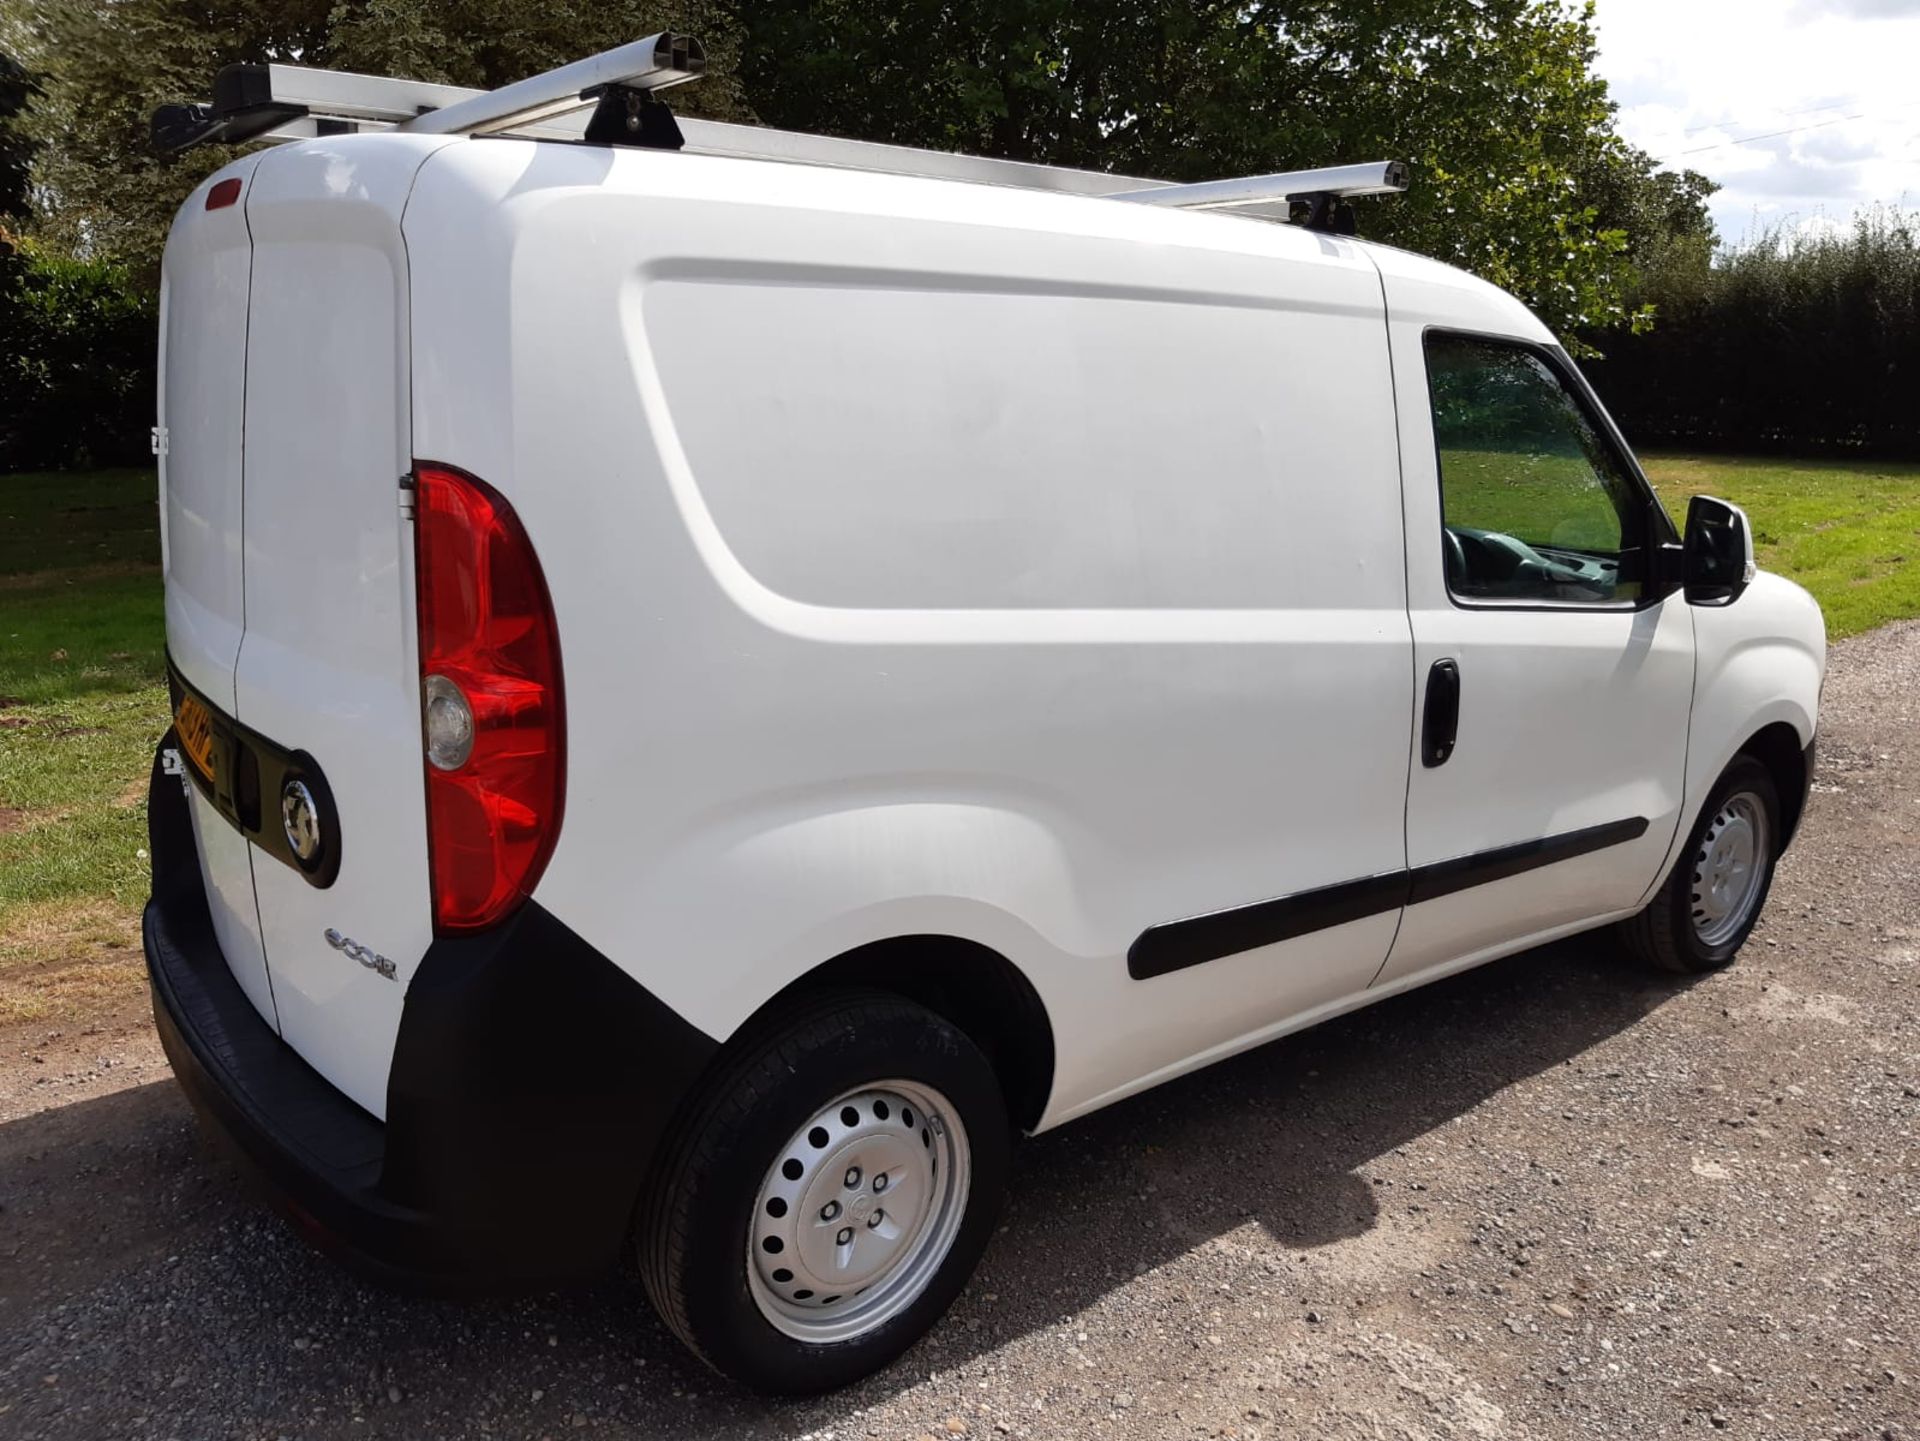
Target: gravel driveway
(1552,1198)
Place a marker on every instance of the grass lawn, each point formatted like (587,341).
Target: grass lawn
(1848,531)
(82,701)
(83,695)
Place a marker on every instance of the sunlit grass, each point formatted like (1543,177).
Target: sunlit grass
(82,703)
(1848,531)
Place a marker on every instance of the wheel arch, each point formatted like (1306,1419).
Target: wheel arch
(970,984)
(1777,747)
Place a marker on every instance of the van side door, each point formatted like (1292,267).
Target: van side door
(1553,681)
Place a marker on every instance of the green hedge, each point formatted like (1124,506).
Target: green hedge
(1802,344)
(76,363)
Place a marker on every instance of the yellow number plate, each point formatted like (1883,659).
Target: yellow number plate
(195,728)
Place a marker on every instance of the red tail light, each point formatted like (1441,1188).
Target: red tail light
(491,698)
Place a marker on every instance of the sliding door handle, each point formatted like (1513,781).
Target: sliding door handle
(1440,724)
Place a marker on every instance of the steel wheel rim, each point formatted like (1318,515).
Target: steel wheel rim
(1729,868)
(858,1211)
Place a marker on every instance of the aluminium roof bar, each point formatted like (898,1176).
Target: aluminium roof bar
(338,94)
(655,63)
(757,142)
(1379,177)
(289,102)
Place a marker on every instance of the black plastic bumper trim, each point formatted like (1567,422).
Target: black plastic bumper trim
(531,1085)
(1176,945)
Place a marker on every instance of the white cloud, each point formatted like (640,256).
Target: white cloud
(1819,91)
(1861,9)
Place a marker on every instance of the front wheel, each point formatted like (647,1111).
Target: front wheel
(828,1193)
(1701,916)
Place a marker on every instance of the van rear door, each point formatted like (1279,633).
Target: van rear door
(327,667)
(202,376)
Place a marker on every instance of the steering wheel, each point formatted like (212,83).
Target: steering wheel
(1559,572)
(1508,559)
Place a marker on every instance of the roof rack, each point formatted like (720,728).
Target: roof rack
(296,102)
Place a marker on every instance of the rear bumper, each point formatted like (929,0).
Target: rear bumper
(531,1084)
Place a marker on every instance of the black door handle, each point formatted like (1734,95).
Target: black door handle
(1440,723)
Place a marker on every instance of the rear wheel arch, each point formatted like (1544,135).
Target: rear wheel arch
(971,985)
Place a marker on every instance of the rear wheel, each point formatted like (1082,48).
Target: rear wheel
(1701,916)
(829,1192)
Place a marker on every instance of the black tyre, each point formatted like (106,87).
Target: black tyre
(827,1193)
(1698,920)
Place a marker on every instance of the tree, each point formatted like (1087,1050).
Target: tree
(76,361)
(1518,174)
(16,150)
(104,192)
(1494,101)
(1670,235)
(105,68)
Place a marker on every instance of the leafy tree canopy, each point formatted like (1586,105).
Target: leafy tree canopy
(16,150)
(104,191)
(1517,172)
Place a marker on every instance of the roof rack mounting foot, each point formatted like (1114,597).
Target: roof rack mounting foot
(1328,214)
(628,115)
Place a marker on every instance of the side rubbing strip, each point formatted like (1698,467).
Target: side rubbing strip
(1443,878)
(1175,945)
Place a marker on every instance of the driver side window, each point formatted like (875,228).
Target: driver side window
(1534,503)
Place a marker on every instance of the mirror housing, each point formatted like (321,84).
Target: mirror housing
(1717,554)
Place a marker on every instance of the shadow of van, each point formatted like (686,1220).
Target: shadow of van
(1281,1138)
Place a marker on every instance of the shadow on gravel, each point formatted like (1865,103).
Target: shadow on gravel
(1279,1136)
(90,1188)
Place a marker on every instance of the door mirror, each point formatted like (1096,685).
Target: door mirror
(1718,559)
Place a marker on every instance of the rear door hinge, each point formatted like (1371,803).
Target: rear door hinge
(407,493)
(159,440)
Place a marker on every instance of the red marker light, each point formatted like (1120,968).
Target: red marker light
(223,194)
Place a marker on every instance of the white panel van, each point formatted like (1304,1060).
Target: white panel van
(714,687)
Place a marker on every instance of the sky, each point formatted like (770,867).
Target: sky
(1842,77)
